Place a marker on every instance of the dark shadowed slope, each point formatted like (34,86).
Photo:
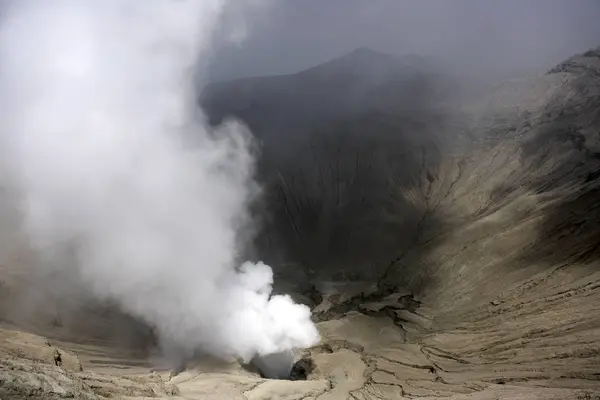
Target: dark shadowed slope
(450,249)
(338,142)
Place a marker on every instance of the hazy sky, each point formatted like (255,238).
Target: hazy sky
(508,36)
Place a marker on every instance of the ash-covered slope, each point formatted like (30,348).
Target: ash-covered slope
(470,229)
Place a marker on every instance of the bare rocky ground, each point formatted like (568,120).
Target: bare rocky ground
(499,300)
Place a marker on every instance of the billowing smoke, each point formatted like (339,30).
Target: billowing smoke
(98,112)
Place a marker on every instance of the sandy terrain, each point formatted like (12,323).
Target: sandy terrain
(496,297)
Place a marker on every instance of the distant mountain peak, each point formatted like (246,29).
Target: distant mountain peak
(360,61)
(367,61)
(366,52)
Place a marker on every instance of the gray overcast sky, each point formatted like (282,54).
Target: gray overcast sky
(500,36)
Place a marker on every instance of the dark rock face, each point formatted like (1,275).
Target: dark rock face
(338,143)
(301,369)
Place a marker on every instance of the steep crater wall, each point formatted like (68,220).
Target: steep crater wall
(486,211)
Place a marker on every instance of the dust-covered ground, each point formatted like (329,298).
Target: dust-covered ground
(492,293)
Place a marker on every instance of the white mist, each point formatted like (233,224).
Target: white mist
(96,102)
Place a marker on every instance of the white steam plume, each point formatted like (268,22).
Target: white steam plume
(97,102)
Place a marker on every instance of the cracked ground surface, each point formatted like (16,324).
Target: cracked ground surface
(499,301)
